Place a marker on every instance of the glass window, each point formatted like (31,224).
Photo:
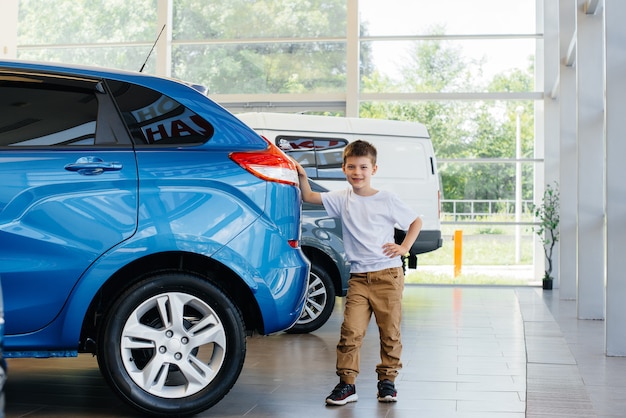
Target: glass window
(58,22)
(246,19)
(311,67)
(476,143)
(485,191)
(36,113)
(106,33)
(460,17)
(436,66)
(153,118)
(124,57)
(322,158)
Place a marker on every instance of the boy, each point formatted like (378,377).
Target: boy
(368,217)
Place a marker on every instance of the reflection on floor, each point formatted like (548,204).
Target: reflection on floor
(468,352)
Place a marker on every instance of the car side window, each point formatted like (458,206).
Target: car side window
(42,112)
(320,157)
(153,118)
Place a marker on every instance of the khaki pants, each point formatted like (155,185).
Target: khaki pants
(380,293)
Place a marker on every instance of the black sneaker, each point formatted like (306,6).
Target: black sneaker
(342,394)
(387,391)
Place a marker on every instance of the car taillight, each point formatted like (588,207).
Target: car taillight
(270,164)
(294,243)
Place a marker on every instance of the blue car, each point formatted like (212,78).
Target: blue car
(143,223)
(3,363)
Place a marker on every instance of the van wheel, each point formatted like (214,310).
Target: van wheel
(172,345)
(320,301)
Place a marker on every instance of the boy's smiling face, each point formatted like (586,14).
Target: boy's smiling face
(359,172)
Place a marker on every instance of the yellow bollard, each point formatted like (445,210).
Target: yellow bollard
(458,251)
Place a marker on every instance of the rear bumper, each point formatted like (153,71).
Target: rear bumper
(287,285)
(426,241)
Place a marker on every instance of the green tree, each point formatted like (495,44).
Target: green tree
(462,130)
(237,60)
(495,137)
(253,66)
(435,66)
(74,22)
(431,66)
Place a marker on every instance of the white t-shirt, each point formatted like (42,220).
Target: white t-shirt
(368,223)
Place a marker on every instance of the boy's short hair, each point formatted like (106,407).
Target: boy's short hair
(360,148)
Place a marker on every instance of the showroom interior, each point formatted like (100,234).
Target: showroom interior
(471,350)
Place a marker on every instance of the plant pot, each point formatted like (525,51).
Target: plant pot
(547,284)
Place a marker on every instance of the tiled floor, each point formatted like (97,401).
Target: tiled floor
(468,352)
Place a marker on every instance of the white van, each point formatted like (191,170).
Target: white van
(406,161)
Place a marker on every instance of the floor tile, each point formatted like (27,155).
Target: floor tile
(470,352)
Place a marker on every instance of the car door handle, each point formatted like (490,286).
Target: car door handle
(92,166)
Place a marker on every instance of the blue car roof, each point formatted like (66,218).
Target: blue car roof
(157,82)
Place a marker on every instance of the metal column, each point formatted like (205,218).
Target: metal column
(568,175)
(591,155)
(615,86)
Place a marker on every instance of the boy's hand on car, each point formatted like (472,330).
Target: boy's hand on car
(301,172)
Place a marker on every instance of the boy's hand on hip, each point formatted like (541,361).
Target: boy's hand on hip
(391,249)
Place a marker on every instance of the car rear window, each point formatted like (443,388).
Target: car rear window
(156,119)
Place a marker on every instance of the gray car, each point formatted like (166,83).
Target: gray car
(322,244)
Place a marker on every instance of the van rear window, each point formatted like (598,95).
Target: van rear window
(320,157)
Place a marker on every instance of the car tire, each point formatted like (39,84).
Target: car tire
(172,345)
(320,301)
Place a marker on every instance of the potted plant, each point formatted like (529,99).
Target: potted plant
(547,228)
